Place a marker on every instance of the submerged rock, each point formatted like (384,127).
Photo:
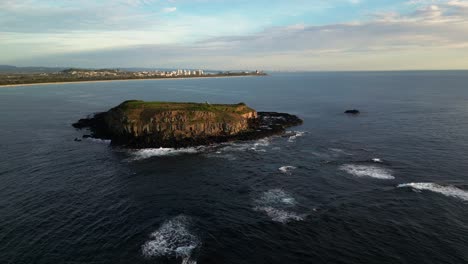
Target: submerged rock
(140,124)
(352,112)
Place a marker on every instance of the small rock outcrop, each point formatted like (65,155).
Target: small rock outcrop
(352,112)
(140,124)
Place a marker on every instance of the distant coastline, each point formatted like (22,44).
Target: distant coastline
(214,76)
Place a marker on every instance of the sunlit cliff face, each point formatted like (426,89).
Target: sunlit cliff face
(179,121)
(183,124)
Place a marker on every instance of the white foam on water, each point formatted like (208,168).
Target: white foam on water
(188,261)
(232,147)
(377,160)
(279,215)
(264,142)
(277,204)
(215,150)
(276,197)
(97,140)
(338,151)
(368,171)
(450,191)
(287,169)
(158,152)
(173,239)
(296,135)
(257,146)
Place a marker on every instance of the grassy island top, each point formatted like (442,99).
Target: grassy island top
(240,108)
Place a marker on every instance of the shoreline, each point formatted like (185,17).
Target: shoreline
(122,80)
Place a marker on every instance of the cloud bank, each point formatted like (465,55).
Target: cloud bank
(422,35)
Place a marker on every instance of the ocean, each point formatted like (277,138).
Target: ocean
(387,186)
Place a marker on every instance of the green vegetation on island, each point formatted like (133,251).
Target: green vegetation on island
(240,108)
(142,110)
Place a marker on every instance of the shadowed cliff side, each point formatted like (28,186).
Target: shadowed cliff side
(140,124)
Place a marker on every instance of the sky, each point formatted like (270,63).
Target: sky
(292,35)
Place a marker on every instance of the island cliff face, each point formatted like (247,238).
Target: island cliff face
(162,124)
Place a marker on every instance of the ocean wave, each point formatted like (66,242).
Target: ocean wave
(264,142)
(278,205)
(295,135)
(172,240)
(232,147)
(158,152)
(450,191)
(279,215)
(376,160)
(287,169)
(257,146)
(337,151)
(215,150)
(276,197)
(97,140)
(368,171)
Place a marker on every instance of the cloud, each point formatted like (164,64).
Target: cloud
(31,16)
(431,26)
(458,3)
(169,9)
(430,35)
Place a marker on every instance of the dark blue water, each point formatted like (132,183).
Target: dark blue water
(86,202)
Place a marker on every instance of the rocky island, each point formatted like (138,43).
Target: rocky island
(140,124)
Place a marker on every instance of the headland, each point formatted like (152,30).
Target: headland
(106,75)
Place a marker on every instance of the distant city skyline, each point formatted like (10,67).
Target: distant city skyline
(294,35)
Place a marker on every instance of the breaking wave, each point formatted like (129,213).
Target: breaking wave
(97,140)
(277,204)
(256,146)
(287,169)
(158,152)
(279,215)
(450,191)
(295,135)
(212,150)
(337,151)
(172,240)
(368,171)
(377,160)
(275,197)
